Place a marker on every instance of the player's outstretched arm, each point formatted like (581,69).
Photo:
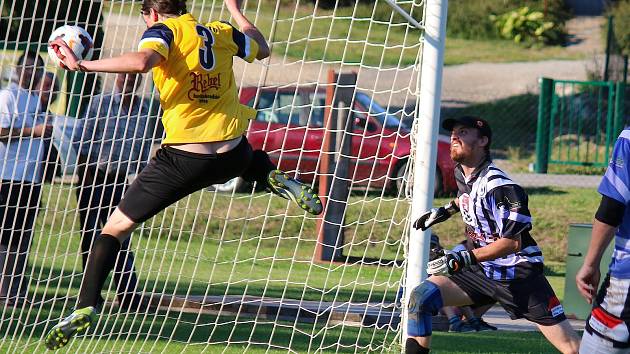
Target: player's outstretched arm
(248,28)
(130,62)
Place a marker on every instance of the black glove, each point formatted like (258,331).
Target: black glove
(451,263)
(435,215)
(436,253)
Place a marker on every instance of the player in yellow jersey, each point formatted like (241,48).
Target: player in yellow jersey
(204,124)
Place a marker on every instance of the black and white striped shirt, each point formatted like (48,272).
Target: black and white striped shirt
(492,207)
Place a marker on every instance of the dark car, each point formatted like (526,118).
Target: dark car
(290,127)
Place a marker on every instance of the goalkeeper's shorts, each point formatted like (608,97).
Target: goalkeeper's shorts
(173,174)
(610,318)
(531,298)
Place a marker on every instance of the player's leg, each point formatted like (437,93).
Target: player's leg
(425,301)
(475,318)
(154,189)
(125,276)
(533,298)
(455,322)
(562,336)
(89,193)
(100,263)
(262,171)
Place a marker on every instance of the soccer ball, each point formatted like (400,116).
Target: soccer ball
(77,39)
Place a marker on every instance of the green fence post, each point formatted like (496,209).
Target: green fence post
(544,119)
(610,121)
(620,99)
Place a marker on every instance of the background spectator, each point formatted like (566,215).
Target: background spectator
(21,152)
(48,93)
(113,146)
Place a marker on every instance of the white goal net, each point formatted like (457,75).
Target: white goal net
(231,268)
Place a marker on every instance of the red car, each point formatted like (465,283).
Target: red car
(289,126)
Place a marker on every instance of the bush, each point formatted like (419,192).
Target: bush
(621,25)
(528,26)
(469,19)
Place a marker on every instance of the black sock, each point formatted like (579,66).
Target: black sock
(100,262)
(413,347)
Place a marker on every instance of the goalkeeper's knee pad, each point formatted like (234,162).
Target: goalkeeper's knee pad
(425,301)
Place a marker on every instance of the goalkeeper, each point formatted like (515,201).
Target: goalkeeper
(505,266)
(204,124)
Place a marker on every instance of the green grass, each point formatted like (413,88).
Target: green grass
(491,343)
(231,246)
(462,51)
(174,332)
(269,257)
(171,332)
(361,35)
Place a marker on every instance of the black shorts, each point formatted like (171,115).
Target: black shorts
(173,174)
(531,298)
(19,203)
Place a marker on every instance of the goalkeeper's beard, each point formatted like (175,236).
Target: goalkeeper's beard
(459,155)
(465,155)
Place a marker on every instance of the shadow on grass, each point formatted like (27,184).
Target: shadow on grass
(491,342)
(251,289)
(158,331)
(544,191)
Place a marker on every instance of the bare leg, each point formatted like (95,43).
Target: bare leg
(119,226)
(481,310)
(450,311)
(562,336)
(103,256)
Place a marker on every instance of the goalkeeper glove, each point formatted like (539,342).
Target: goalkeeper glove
(435,215)
(451,263)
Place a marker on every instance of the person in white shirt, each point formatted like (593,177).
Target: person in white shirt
(21,151)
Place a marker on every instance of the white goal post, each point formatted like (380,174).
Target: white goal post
(230,268)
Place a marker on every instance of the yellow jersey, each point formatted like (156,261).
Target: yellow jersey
(196,81)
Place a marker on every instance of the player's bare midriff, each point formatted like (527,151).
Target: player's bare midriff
(215,147)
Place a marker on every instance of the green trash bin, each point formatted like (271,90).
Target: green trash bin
(575,306)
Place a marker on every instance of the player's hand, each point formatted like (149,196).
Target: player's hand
(587,280)
(68,59)
(451,263)
(40,130)
(435,215)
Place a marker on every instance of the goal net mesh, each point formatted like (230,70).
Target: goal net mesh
(230,268)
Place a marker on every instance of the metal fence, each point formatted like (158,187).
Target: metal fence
(578,122)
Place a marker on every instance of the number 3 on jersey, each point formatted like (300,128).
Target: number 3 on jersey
(206,55)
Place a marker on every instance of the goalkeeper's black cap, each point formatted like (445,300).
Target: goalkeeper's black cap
(472,122)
